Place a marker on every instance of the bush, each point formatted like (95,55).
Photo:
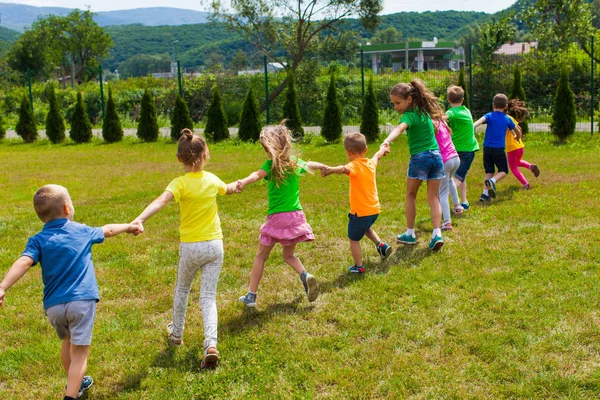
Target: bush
(291,112)
(250,125)
(517,92)
(462,83)
(180,118)
(148,126)
(112,131)
(26,126)
(55,125)
(332,118)
(2,129)
(81,127)
(216,120)
(564,116)
(369,125)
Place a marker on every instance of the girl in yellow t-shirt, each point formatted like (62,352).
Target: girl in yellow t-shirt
(517,111)
(201,245)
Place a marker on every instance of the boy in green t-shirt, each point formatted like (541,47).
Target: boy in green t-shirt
(460,120)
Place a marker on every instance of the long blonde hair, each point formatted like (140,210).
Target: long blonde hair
(277,142)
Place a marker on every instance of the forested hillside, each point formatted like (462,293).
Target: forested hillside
(7,35)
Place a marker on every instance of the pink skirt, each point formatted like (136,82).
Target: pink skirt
(286,228)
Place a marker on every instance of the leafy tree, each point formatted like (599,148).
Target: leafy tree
(239,61)
(369,125)
(55,125)
(463,84)
(112,131)
(494,34)
(564,116)
(331,129)
(517,92)
(148,125)
(290,110)
(180,118)
(250,125)
(216,119)
(28,52)
(389,35)
(286,30)
(81,127)
(144,64)
(26,127)
(2,129)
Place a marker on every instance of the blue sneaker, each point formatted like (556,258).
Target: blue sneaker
(383,249)
(465,205)
(355,269)
(485,199)
(86,383)
(406,239)
(249,300)
(436,243)
(491,187)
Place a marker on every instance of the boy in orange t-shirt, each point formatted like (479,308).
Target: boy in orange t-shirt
(364,201)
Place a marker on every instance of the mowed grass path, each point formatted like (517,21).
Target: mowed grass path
(508,309)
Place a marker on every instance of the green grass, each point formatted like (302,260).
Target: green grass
(509,309)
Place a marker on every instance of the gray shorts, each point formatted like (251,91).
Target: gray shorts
(74,320)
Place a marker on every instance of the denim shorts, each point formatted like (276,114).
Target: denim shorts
(74,320)
(494,157)
(466,159)
(358,226)
(426,166)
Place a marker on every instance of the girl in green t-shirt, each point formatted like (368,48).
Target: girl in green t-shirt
(286,222)
(418,106)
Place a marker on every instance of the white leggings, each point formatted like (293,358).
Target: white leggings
(447,185)
(207,256)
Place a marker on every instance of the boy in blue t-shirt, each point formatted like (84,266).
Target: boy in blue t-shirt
(493,145)
(64,250)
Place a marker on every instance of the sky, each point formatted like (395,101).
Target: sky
(389,6)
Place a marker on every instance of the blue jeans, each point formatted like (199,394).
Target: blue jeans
(466,159)
(426,166)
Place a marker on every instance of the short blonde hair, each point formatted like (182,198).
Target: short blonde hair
(49,202)
(455,94)
(355,143)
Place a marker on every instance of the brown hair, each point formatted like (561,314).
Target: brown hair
(422,98)
(355,142)
(517,110)
(49,202)
(500,101)
(455,94)
(192,149)
(277,142)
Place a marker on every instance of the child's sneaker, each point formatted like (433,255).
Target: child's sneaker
(491,187)
(485,199)
(458,209)
(436,243)
(174,341)
(310,286)
(211,358)
(86,383)
(465,206)
(535,170)
(446,226)
(406,238)
(383,249)
(526,186)
(249,299)
(355,269)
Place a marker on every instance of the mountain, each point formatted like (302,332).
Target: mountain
(19,16)
(7,35)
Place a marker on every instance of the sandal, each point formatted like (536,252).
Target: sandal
(174,341)
(458,209)
(211,358)
(446,226)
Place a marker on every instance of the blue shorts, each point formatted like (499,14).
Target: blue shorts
(426,166)
(494,157)
(466,159)
(358,226)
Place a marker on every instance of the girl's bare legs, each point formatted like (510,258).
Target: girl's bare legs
(462,188)
(290,258)
(433,188)
(262,255)
(412,188)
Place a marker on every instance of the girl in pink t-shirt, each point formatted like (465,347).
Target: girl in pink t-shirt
(451,164)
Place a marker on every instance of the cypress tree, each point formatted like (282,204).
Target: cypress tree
(462,83)
(291,112)
(2,128)
(81,127)
(369,125)
(564,118)
(112,131)
(216,119)
(250,125)
(26,126)
(517,92)
(148,125)
(55,125)
(180,118)
(331,129)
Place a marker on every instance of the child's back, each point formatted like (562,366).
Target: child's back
(460,121)
(495,132)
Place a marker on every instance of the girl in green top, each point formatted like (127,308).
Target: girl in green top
(418,106)
(286,223)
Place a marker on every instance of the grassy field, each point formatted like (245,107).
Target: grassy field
(508,309)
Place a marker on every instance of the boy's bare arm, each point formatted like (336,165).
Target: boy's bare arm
(111,230)
(383,151)
(479,122)
(340,169)
(18,269)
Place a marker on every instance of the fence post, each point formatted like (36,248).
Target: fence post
(471,77)
(267,90)
(100,80)
(29,85)
(362,74)
(179,79)
(592,88)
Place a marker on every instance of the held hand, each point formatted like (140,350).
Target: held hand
(386,147)
(324,172)
(136,227)
(2,294)
(239,187)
